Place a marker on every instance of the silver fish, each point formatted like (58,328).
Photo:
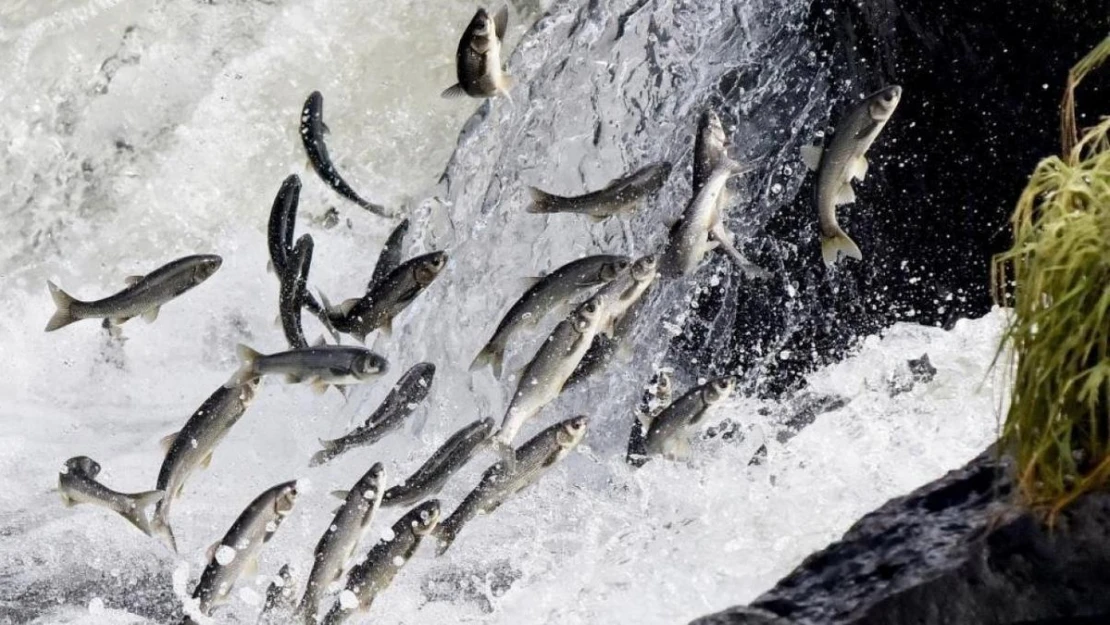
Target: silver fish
(193,447)
(294,277)
(543,379)
(377,309)
(312,134)
(657,395)
(401,401)
(448,459)
(479,58)
(144,295)
(620,299)
(339,542)
(620,196)
(237,553)
(691,237)
(390,256)
(502,480)
(667,434)
(554,291)
(319,366)
(710,148)
(843,161)
(375,573)
(77,484)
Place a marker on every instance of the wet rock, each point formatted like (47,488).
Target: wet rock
(954,551)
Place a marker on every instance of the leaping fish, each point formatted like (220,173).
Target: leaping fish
(478,61)
(77,484)
(144,295)
(845,160)
(312,134)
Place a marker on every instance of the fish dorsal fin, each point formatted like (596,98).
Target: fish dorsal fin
(167,441)
(150,315)
(811,156)
(528,282)
(340,494)
(129,280)
(320,342)
(846,195)
(206,461)
(859,168)
(325,128)
(501,22)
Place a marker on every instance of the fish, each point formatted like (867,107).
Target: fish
(377,309)
(312,134)
(77,484)
(280,598)
(710,152)
(390,256)
(693,235)
(503,480)
(376,571)
(319,366)
(554,291)
(843,161)
(237,553)
(666,433)
(618,197)
(279,234)
(478,61)
(340,541)
(710,148)
(619,301)
(144,295)
(402,400)
(657,394)
(193,445)
(279,230)
(543,379)
(445,462)
(293,279)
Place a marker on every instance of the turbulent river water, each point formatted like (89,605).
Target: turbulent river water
(137,131)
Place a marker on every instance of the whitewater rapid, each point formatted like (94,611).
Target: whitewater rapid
(136,132)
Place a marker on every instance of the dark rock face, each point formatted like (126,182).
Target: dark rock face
(954,551)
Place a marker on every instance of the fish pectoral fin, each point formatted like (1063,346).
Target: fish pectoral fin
(597,218)
(347,305)
(453,92)
(66,501)
(325,128)
(251,567)
(293,378)
(845,195)
(811,156)
(387,327)
(501,22)
(340,494)
(118,321)
(319,387)
(859,168)
(167,441)
(206,461)
(151,315)
(129,280)
(868,129)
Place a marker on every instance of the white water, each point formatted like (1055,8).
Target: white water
(207,97)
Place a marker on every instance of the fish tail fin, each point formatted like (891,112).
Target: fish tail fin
(452,92)
(324,455)
(833,246)
(490,355)
(160,527)
(63,316)
(542,201)
(248,366)
(136,514)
